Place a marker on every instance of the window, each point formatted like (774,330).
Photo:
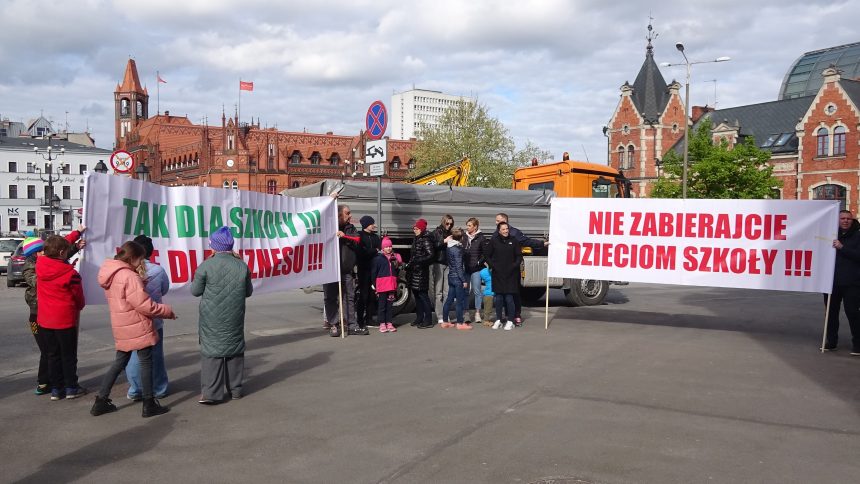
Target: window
(395,164)
(49,193)
(66,169)
(31,168)
(123,107)
(235,185)
(31,191)
(335,159)
(830,192)
(226,184)
(621,157)
(272,187)
(82,169)
(411,163)
(823,142)
(315,158)
(631,156)
(67,218)
(295,184)
(783,139)
(542,186)
(13,167)
(49,168)
(82,192)
(769,141)
(296,158)
(839,141)
(271,149)
(13,191)
(67,192)
(13,225)
(31,218)
(230,140)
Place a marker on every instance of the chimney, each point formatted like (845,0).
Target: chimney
(167,113)
(699,111)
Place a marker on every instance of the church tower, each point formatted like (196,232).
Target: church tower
(648,120)
(131,104)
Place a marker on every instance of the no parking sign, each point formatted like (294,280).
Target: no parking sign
(376,120)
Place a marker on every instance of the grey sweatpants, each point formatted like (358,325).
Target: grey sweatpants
(332,311)
(221,375)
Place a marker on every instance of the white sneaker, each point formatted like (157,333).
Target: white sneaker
(509,325)
(477,317)
(440,321)
(497,324)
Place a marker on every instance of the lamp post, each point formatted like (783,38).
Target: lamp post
(101,167)
(50,156)
(688,64)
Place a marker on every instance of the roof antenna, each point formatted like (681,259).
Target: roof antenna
(651,35)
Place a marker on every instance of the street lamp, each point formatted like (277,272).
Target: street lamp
(50,156)
(101,167)
(688,64)
(142,172)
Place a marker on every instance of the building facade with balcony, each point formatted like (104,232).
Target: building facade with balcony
(236,154)
(26,199)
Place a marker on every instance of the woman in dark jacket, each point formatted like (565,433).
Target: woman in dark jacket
(504,256)
(419,277)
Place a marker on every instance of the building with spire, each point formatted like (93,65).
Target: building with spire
(648,120)
(236,154)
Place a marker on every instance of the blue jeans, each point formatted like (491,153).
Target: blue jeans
(458,292)
(159,372)
(475,288)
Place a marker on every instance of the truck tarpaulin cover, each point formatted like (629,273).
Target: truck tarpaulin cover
(287,243)
(757,244)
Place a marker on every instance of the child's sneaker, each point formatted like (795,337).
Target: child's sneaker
(42,389)
(497,324)
(391,328)
(446,324)
(487,323)
(509,325)
(72,393)
(57,394)
(464,326)
(383,328)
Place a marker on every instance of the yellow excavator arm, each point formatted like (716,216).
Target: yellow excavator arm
(455,174)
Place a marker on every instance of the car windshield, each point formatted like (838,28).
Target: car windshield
(9,245)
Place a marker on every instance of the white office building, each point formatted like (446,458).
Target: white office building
(27,202)
(417,109)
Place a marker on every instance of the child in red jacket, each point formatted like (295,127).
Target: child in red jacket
(61,299)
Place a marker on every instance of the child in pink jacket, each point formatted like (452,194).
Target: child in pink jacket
(131,313)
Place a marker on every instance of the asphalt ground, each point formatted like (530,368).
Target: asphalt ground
(663,384)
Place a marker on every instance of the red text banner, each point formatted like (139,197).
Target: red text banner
(757,244)
(286,242)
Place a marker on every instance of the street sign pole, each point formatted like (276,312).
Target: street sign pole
(375,156)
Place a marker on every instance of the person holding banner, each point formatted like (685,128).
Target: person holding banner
(367,248)
(504,255)
(224,282)
(846,283)
(131,312)
(348,240)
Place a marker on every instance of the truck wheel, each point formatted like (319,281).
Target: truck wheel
(586,292)
(531,295)
(404,302)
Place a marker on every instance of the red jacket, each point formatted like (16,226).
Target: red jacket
(59,292)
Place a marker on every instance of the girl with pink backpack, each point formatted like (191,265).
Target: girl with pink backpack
(383,272)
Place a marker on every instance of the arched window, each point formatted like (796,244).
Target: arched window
(226,184)
(823,142)
(411,164)
(296,157)
(621,157)
(335,159)
(839,140)
(395,163)
(235,185)
(295,184)
(140,109)
(631,155)
(272,187)
(316,158)
(123,107)
(830,192)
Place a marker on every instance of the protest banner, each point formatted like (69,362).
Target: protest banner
(758,244)
(286,242)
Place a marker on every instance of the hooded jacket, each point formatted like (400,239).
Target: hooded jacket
(29,272)
(59,292)
(473,255)
(504,256)
(419,260)
(131,308)
(456,271)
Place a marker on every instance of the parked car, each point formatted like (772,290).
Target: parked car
(7,247)
(15,267)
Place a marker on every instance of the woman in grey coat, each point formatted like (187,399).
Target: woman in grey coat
(224,281)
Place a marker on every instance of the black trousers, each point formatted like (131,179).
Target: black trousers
(44,376)
(144,356)
(384,306)
(365,307)
(62,346)
(423,307)
(849,297)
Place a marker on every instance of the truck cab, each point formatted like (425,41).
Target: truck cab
(573,179)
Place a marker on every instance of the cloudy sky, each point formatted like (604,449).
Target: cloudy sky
(550,70)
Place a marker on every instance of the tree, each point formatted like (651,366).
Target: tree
(467,130)
(717,171)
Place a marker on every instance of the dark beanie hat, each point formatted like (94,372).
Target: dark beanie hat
(146,243)
(367,221)
(221,240)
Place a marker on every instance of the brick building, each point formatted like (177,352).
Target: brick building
(235,154)
(812,134)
